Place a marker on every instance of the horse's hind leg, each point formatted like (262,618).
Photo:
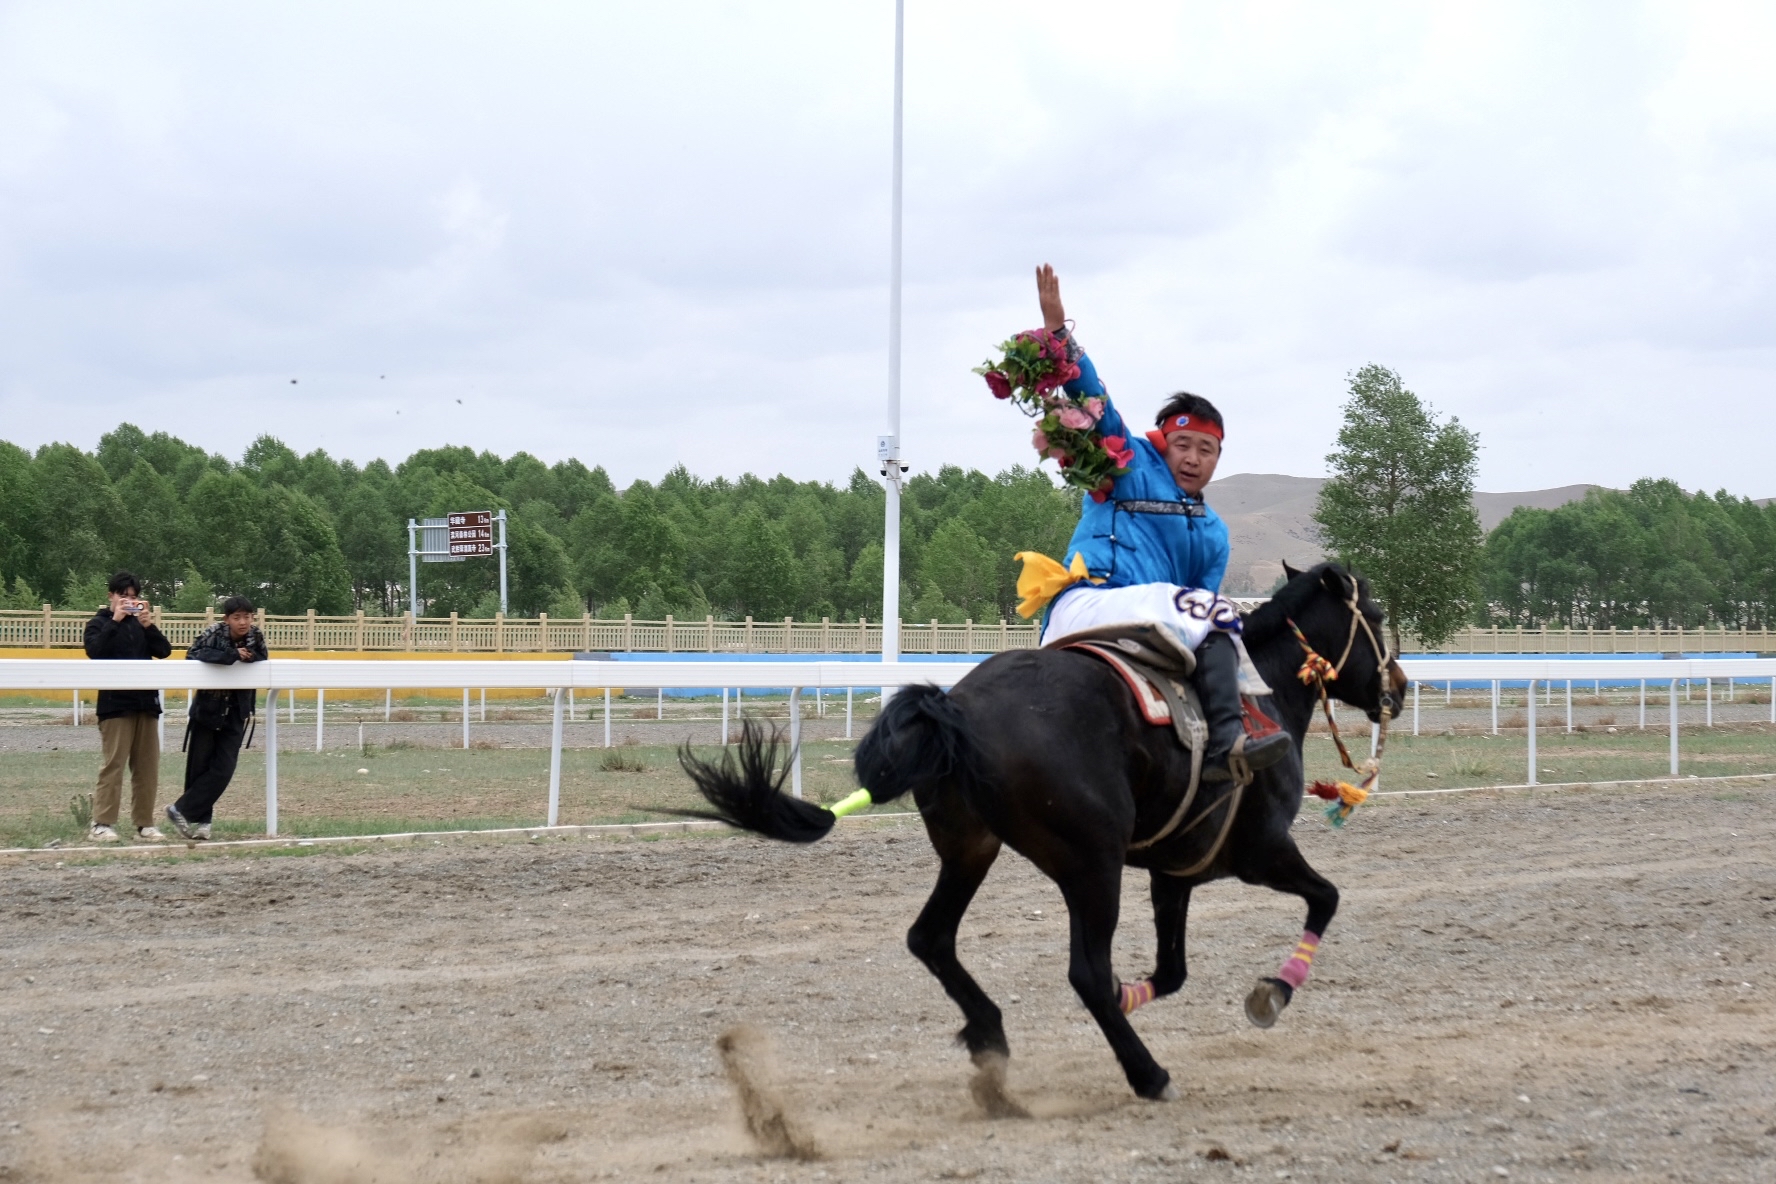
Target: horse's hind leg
(1171,911)
(967,849)
(1092,906)
(1287,870)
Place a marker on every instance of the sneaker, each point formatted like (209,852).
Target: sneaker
(179,824)
(100,833)
(200,831)
(150,834)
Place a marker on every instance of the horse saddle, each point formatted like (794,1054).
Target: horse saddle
(1157,670)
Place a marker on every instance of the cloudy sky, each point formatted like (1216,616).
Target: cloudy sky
(652,234)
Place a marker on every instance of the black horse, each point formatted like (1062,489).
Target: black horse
(1045,751)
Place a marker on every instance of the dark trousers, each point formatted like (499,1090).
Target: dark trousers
(210,756)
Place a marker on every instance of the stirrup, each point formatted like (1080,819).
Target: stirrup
(1238,767)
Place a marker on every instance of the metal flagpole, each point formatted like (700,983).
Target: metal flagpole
(888,447)
(413,568)
(501,519)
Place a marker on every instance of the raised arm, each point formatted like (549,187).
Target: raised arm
(1088,385)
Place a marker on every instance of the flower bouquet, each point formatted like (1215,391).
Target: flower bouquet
(1032,374)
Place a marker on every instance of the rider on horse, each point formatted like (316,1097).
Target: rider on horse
(1152,550)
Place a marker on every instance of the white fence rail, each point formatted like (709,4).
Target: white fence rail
(289,674)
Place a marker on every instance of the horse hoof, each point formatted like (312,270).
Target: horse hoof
(1168,1094)
(1266,1003)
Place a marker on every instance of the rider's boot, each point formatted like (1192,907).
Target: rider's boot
(1217,685)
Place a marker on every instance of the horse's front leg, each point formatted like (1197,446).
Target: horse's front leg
(1286,870)
(1171,912)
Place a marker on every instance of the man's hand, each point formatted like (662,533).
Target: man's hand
(246,655)
(1048,291)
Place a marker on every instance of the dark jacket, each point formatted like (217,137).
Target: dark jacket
(224,709)
(129,640)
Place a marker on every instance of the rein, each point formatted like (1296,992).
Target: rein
(1316,671)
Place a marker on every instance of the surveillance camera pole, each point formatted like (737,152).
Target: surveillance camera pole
(888,446)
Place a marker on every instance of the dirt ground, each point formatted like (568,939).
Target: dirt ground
(1519,986)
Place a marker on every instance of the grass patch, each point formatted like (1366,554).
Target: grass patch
(422,789)
(406,789)
(1466,760)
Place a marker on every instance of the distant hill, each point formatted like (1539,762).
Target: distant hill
(1271,519)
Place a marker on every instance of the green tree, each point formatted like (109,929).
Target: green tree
(764,574)
(19,595)
(82,518)
(536,568)
(153,539)
(301,567)
(21,519)
(229,517)
(84,593)
(1399,506)
(194,594)
(373,539)
(962,570)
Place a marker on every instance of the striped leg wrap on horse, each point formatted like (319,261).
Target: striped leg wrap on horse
(1295,970)
(1134,995)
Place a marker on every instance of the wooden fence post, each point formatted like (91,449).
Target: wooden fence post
(543,632)
(455,636)
(585,631)
(499,632)
(628,632)
(358,632)
(47,611)
(308,630)
(669,633)
(789,635)
(709,633)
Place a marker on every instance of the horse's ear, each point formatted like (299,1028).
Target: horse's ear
(1333,579)
(1289,573)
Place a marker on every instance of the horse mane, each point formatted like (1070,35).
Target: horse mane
(1291,600)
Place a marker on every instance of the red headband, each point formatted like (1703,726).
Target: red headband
(1185,423)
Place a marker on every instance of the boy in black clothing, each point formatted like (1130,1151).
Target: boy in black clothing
(129,728)
(218,718)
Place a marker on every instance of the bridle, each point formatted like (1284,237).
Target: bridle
(1316,671)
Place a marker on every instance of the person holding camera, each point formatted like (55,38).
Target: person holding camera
(219,719)
(129,727)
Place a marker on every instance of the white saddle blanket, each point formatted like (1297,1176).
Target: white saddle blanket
(1188,614)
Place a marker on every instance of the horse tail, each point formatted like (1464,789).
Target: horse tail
(746,789)
(921,738)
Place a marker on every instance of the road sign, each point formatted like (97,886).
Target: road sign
(467,534)
(470,533)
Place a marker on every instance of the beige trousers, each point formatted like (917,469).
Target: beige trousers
(132,740)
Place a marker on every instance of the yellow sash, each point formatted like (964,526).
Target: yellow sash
(1043,579)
